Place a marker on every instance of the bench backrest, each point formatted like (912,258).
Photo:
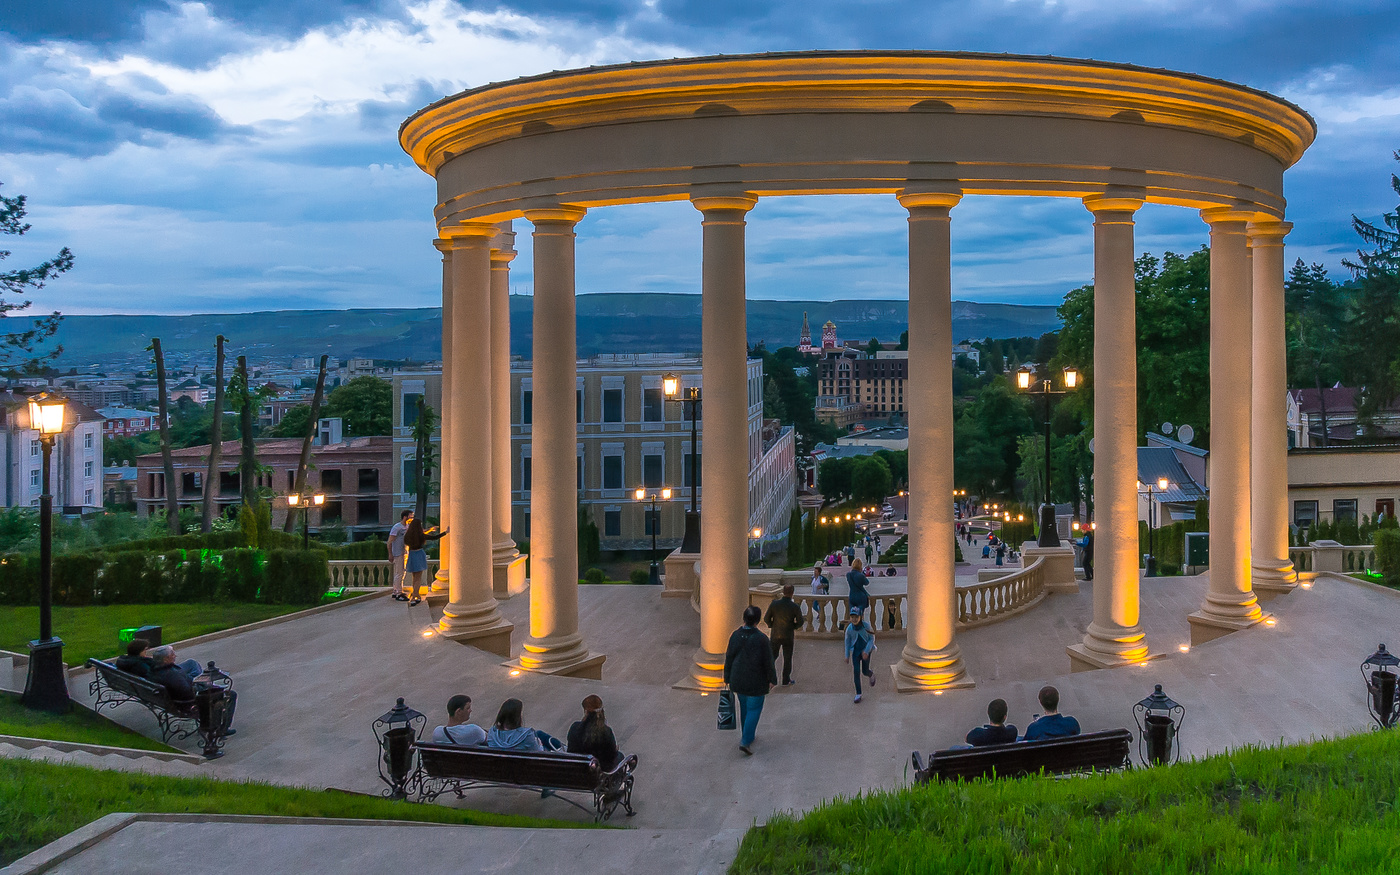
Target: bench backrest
(567,771)
(136,687)
(1055,756)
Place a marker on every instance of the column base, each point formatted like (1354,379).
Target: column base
(1108,648)
(508,576)
(1208,627)
(681,578)
(480,626)
(706,673)
(1058,566)
(920,670)
(1272,577)
(566,657)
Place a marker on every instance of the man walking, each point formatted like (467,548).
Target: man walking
(783,618)
(750,673)
(398,553)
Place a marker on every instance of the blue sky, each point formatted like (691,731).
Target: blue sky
(238,155)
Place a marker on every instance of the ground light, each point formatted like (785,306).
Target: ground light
(1380,671)
(396,731)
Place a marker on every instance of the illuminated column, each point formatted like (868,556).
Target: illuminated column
(724,564)
(440,586)
(554,645)
(1272,569)
(1230,603)
(508,566)
(471,615)
(931,659)
(1113,637)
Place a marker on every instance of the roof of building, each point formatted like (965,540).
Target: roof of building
(1155,463)
(118,412)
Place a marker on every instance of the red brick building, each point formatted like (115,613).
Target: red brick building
(355,475)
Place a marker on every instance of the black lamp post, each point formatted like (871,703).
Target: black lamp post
(1161,486)
(654,578)
(1026,382)
(46,685)
(671,389)
(1159,727)
(1380,672)
(305,502)
(396,732)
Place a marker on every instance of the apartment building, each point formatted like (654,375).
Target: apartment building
(628,437)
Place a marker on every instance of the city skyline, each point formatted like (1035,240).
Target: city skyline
(242,156)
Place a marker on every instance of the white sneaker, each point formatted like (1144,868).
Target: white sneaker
(857,698)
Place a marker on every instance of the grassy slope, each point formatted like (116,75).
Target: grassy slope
(1326,807)
(41,801)
(79,725)
(92,631)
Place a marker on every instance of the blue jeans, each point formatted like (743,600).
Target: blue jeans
(750,708)
(861,666)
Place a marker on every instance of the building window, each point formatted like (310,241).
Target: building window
(692,462)
(612,472)
(1343,509)
(368,512)
(368,481)
(612,523)
(330,480)
(527,407)
(410,407)
(525,474)
(612,405)
(653,405)
(652,470)
(87,469)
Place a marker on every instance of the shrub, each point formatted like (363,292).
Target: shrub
(296,577)
(1388,555)
(641,576)
(595,575)
(75,578)
(19,579)
(243,574)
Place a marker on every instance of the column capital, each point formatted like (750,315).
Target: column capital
(912,199)
(563,213)
(467,235)
(743,202)
(1268,232)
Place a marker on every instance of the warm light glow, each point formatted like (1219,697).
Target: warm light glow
(1184,648)
(318,499)
(1071,377)
(293,500)
(46,413)
(1162,484)
(1023,378)
(666,494)
(640,493)
(670,385)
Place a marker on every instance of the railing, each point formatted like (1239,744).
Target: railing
(825,616)
(358,573)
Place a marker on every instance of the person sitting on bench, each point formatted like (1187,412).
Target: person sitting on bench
(507,733)
(1053,724)
(135,661)
(181,685)
(995,732)
(457,730)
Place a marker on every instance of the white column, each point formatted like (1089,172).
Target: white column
(508,566)
(1230,603)
(471,615)
(1272,569)
(1113,637)
(555,645)
(930,659)
(724,566)
(440,586)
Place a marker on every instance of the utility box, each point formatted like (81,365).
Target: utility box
(1197,552)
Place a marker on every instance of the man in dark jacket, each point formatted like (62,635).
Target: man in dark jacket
(750,673)
(783,619)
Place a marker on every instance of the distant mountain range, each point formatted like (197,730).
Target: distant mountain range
(607,322)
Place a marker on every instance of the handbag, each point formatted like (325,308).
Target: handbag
(728,717)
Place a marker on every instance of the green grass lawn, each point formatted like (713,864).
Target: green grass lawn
(1320,808)
(79,724)
(41,801)
(92,631)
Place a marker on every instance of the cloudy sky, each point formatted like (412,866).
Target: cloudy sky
(237,155)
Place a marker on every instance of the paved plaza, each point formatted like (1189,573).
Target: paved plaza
(310,688)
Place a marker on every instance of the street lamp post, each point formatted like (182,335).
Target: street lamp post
(654,578)
(1161,484)
(46,685)
(690,401)
(305,502)
(1026,382)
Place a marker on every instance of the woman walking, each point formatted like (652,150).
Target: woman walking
(860,645)
(416,539)
(856,579)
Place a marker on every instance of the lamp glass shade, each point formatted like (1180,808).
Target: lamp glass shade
(1071,377)
(670,385)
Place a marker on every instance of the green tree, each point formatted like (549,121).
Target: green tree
(365,406)
(20,350)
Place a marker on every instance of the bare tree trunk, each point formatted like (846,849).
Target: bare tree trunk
(172,497)
(305,461)
(216,442)
(248,464)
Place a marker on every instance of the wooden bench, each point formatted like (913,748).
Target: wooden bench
(1096,751)
(178,720)
(443,767)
